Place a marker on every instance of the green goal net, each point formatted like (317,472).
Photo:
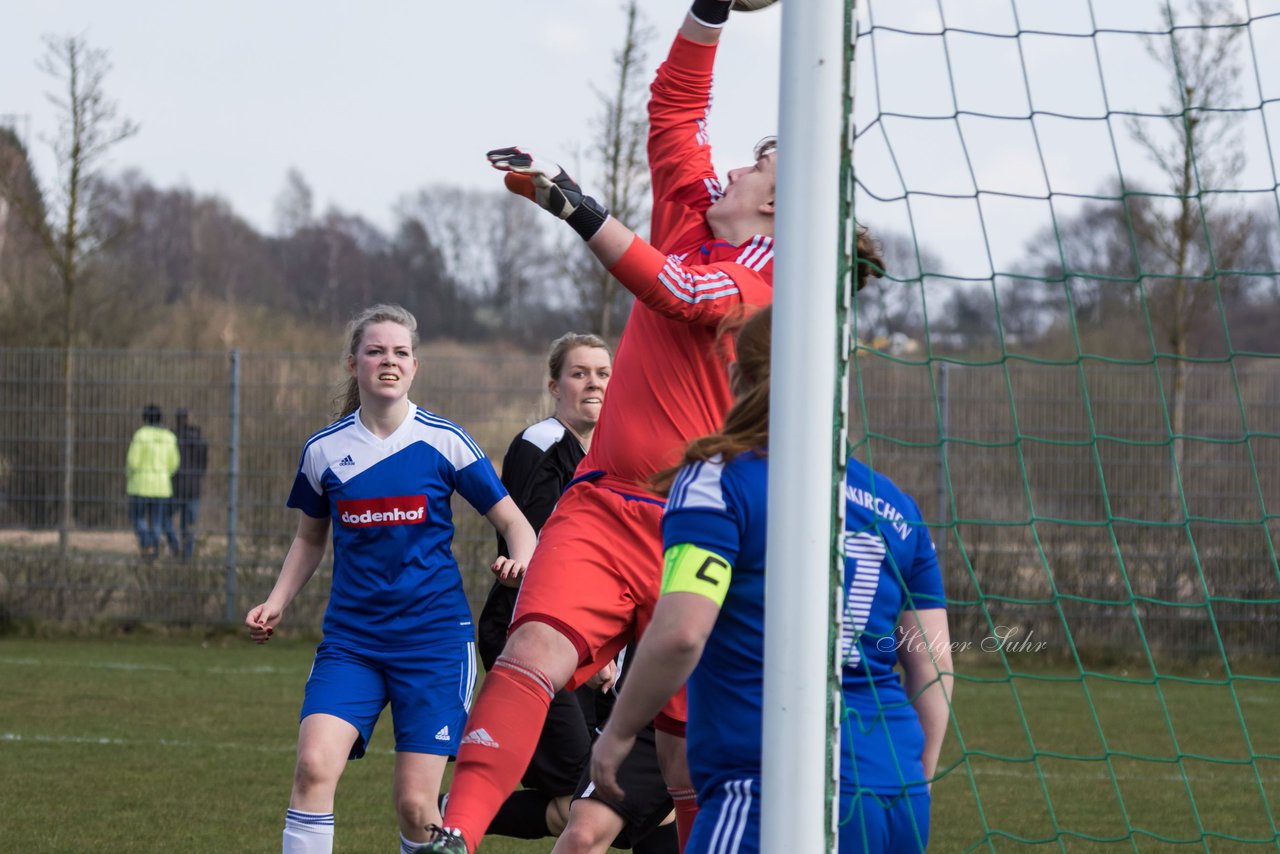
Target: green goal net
(1073,365)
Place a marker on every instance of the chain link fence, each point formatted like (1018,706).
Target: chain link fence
(1064,508)
(255,411)
(1059,499)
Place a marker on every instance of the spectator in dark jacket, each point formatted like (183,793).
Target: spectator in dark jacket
(193,451)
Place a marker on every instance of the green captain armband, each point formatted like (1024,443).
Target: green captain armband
(690,569)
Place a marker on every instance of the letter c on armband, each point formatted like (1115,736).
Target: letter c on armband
(691,569)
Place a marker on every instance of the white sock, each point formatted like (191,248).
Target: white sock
(308,832)
(408,846)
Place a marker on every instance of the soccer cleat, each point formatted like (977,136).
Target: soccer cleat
(443,841)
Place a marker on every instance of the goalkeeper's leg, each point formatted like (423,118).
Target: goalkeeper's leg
(504,726)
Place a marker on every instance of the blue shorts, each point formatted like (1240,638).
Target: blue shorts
(885,824)
(429,689)
(728,821)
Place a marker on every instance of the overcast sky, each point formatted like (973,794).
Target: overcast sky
(369,101)
(373,101)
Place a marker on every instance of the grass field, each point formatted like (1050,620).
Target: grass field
(142,744)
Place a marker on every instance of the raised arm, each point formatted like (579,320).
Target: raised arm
(685,292)
(683,178)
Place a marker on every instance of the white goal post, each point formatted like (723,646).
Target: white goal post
(806,434)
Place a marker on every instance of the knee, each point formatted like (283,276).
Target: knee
(545,648)
(314,771)
(579,837)
(592,827)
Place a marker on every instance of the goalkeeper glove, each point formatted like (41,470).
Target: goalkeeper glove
(548,185)
(711,13)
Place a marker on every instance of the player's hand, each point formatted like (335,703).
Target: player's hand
(604,678)
(508,572)
(606,758)
(262,621)
(540,181)
(546,184)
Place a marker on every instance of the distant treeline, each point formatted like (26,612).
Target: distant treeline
(175,269)
(178,269)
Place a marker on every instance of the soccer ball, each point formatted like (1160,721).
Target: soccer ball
(751,5)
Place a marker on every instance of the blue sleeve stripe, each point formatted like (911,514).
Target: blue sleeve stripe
(700,485)
(328,431)
(680,489)
(436,421)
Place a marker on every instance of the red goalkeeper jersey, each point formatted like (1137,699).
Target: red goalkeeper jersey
(670,382)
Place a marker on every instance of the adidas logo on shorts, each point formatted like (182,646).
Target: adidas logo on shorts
(443,734)
(480,737)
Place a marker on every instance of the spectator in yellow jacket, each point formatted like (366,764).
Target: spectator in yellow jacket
(153,458)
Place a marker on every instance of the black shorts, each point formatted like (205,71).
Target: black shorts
(646,802)
(495,617)
(564,747)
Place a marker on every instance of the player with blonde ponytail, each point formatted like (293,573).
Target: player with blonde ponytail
(398,627)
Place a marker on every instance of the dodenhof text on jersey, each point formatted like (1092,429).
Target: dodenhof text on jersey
(393,510)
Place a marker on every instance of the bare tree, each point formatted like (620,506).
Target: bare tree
(1201,155)
(504,254)
(1165,253)
(894,303)
(619,153)
(497,249)
(294,204)
(89,126)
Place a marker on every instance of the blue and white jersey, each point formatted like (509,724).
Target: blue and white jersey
(722,508)
(395,580)
(889,560)
(890,567)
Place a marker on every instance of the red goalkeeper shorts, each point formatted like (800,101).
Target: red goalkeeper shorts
(596,576)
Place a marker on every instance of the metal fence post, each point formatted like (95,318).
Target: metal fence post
(944,506)
(233,483)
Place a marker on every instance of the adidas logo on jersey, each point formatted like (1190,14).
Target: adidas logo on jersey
(346,461)
(443,734)
(480,737)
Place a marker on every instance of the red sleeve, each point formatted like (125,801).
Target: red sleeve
(689,293)
(684,182)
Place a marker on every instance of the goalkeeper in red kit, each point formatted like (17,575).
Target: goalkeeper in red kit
(595,575)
